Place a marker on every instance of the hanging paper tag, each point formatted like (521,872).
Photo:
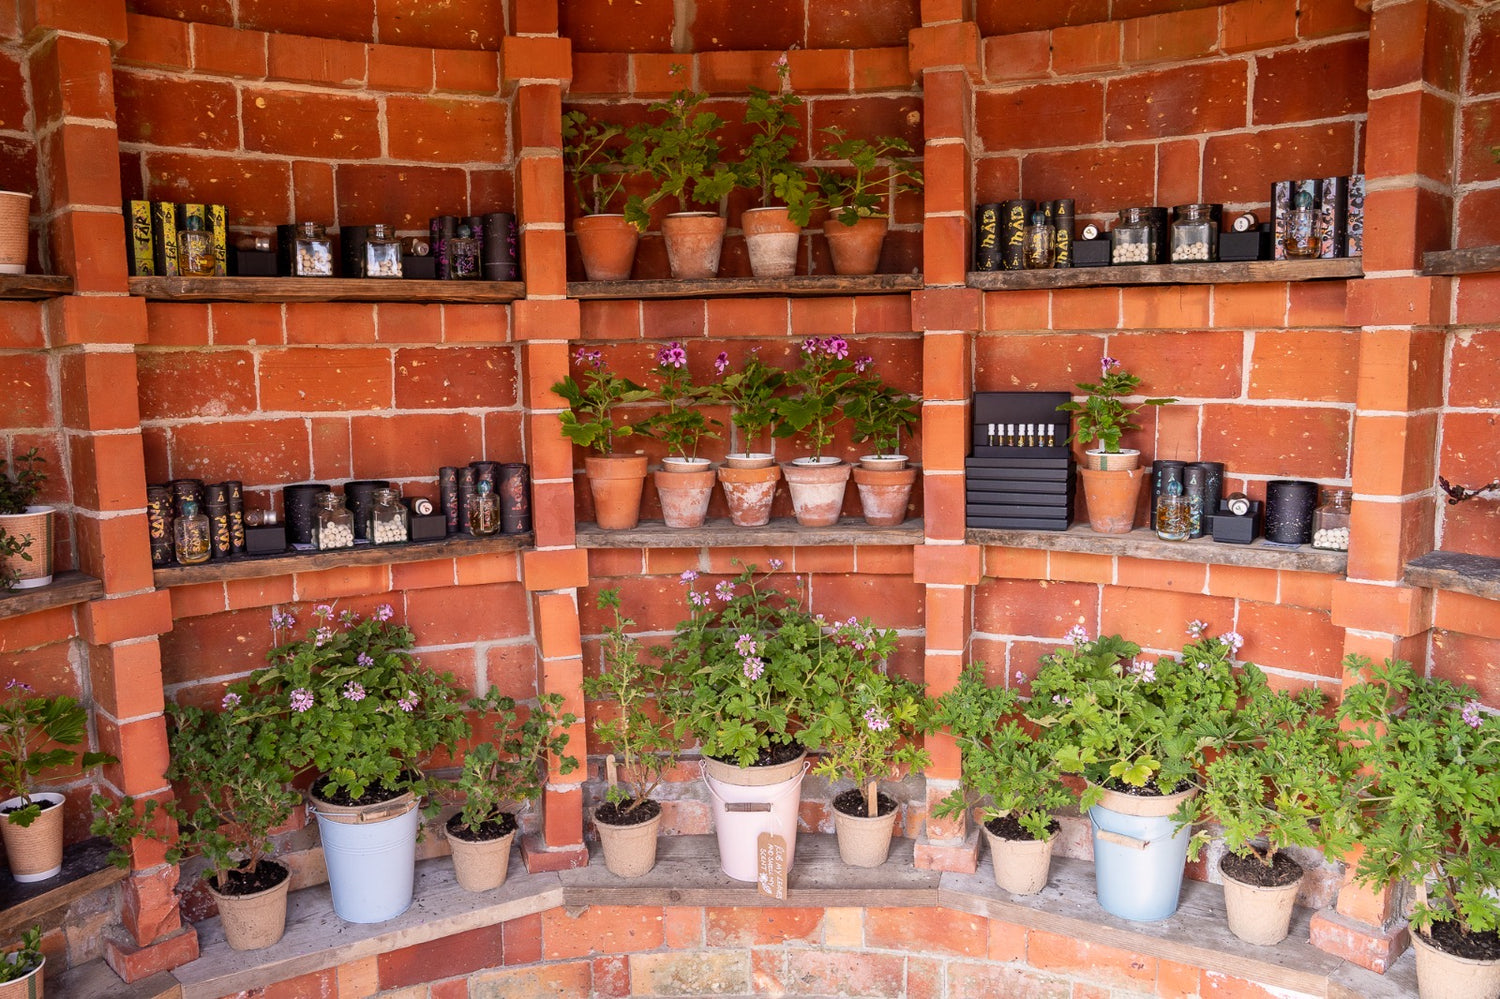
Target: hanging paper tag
(771,865)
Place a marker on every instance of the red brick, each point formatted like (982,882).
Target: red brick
(90,246)
(945,46)
(70,77)
(132,963)
(444,130)
(469,72)
(594,26)
(1187,34)
(400,67)
(1098,175)
(476,324)
(599,73)
(150,109)
(1241,167)
(229,51)
(846,972)
(536,59)
(1484,67)
(1257,24)
(747,927)
(302,379)
(1086,48)
(1281,78)
(1335,17)
(181,384)
(1027,116)
(106,472)
(882,69)
(602,929)
(155,41)
(555,570)
(302,59)
(1360,943)
(447,957)
(97,390)
(314,125)
(960,934)
(1025,56)
(1182,101)
(1315,365)
(406,196)
(442,26)
(253,189)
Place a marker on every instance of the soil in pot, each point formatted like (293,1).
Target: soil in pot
(779,753)
(374,795)
(243,882)
(1006,827)
(37,800)
(1282,871)
(489,829)
(1450,938)
(852,802)
(620,813)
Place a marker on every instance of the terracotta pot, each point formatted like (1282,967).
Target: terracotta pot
(694,241)
(864,841)
(817,491)
(256,920)
(883,495)
(771,239)
(677,463)
(1112,498)
(1258,915)
(37,525)
(629,851)
(34,851)
(1021,865)
(15,222)
(749,492)
(616,482)
(1113,461)
(855,248)
(607,245)
(685,496)
(1441,975)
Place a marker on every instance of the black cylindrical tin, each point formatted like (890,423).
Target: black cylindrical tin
(515,498)
(1013,233)
(236,493)
(448,496)
(468,485)
(216,494)
(300,503)
(987,236)
(1163,472)
(218,530)
(1194,482)
(1213,488)
(185,489)
(159,524)
(1062,240)
(500,255)
(442,227)
(1289,510)
(359,497)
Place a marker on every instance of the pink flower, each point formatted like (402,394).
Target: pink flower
(1077,634)
(301,700)
(753,667)
(1196,629)
(1471,715)
(14,684)
(354,691)
(281,619)
(775,564)
(698,599)
(721,363)
(724,590)
(592,358)
(323,612)
(863,363)
(1233,639)
(688,575)
(745,646)
(672,356)
(409,702)
(877,721)
(1105,363)
(231,700)
(384,612)
(837,346)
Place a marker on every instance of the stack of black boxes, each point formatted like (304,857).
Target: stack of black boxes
(1020,474)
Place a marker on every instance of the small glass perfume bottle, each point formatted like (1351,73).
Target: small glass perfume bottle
(334,527)
(463,255)
(387,518)
(382,257)
(1174,515)
(484,512)
(1040,243)
(190,531)
(195,250)
(312,251)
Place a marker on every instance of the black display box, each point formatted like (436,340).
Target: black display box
(1091,252)
(1020,485)
(428,527)
(252,263)
(265,540)
(419,268)
(1241,246)
(1236,529)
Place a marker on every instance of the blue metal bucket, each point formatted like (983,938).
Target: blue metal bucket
(1138,863)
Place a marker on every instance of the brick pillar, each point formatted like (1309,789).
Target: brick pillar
(93,334)
(1415,50)
(538,65)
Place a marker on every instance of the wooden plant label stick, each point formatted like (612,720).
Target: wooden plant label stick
(611,773)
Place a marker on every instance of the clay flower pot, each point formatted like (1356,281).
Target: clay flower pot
(1112,498)
(1021,865)
(771,239)
(607,245)
(855,248)
(629,850)
(257,919)
(749,492)
(817,490)
(616,482)
(685,495)
(694,241)
(884,493)
(1260,915)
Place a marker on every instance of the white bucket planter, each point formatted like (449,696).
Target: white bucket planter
(371,853)
(742,812)
(1138,859)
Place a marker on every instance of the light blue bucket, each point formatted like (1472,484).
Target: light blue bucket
(371,858)
(1138,860)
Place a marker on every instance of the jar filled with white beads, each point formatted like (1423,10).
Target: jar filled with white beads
(387,517)
(334,527)
(1133,239)
(1330,524)
(1195,234)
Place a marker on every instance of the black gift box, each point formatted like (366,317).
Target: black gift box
(1252,245)
(252,263)
(428,527)
(1015,485)
(265,540)
(1236,529)
(419,268)
(1091,252)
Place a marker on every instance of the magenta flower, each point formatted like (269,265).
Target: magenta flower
(1471,714)
(354,691)
(322,636)
(753,667)
(877,721)
(301,699)
(672,356)
(384,612)
(863,363)
(231,700)
(1020,677)
(347,618)
(323,612)
(1105,363)
(724,590)
(698,599)
(721,363)
(688,576)
(775,564)
(836,346)
(592,358)
(364,660)
(281,619)
(745,646)
(15,684)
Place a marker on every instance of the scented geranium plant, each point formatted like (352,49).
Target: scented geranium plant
(356,705)
(591,155)
(821,387)
(879,733)
(766,166)
(682,425)
(1005,765)
(37,734)
(755,677)
(511,767)
(1130,721)
(682,152)
(24,959)
(877,168)
(1432,756)
(750,393)
(592,400)
(879,413)
(1105,415)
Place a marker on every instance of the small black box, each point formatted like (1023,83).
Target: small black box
(1091,252)
(431,527)
(1252,245)
(423,268)
(1236,529)
(265,540)
(252,263)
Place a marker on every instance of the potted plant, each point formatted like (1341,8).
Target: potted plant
(510,768)
(234,788)
(362,713)
(749,478)
(1111,477)
(681,151)
(1139,730)
(879,414)
(877,737)
(1433,759)
(615,480)
(774,228)
(1282,783)
(592,155)
(821,386)
(857,222)
(1005,764)
(634,730)
(25,528)
(685,482)
(21,970)
(36,732)
(15,231)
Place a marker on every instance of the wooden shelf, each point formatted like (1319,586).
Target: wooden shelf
(258,566)
(1474,260)
(65,588)
(86,869)
(801,285)
(1143,543)
(34,286)
(724,534)
(1209,273)
(282,289)
(1477,575)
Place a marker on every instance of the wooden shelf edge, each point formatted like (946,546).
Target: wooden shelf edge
(34,286)
(1457,572)
(284,289)
(781,532)
(1143,543)
(86,869)
(259,566)
(65,588)
(1243,272)
(802,284)
(1473,260)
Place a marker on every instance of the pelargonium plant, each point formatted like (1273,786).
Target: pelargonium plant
(875,172)
(511,767)
(822,384)
(880,733)
(591,155)
(1105,415)
(766,165)
(750,393)
(356,705)
(681,150)
(590,421)
(879,412)
(36,732)
(682,425)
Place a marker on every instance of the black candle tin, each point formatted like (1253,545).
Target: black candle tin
(987,219)
(1213,491)
(159,524)
(1194,479)
(442,227)
(300,503)
(500,254)
(1289,510)
(1013,233)
(1062,240)
(448,496)
(235,491)
(515,498)
(468,485)
(359,497)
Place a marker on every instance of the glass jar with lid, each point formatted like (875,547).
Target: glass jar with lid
(312,251)
(1133,239)
(382,256)
(1195,234)
(1330,524)
(195,249)
(191,535)
(334,526)
(463,255)
(1040,242)
(387,517)
(484,511)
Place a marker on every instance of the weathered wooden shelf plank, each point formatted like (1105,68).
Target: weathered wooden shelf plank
(86,869)
(96,980)
(288,289)
(724,534)
(1473,260)
(65,588)
(1143,543)
(1477,575)
(803,284)
(35,286)
(258,566)
(1234,272)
